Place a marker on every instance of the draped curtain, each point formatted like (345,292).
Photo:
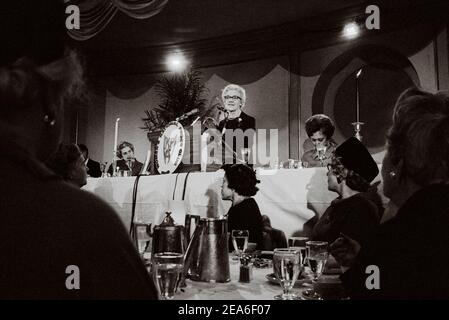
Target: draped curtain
(96,14)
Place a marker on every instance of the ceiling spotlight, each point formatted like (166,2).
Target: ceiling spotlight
(176,62)
(351,30)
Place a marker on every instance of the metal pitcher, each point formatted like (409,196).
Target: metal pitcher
(207,257)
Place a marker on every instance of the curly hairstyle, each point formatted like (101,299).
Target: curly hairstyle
(235,87)
(242,179)
(419,136)
(123,145)
(64,159)
(320,122)
(353,179)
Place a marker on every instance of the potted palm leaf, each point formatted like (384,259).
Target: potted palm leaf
(178,94)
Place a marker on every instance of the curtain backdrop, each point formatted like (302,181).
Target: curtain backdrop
(96,14)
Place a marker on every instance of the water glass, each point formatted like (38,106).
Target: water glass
(287,267)
(246,152)
(168,268)
(317,255)
(142,236)
(299,243)
(104,173)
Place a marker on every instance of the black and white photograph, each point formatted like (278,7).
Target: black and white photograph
(226,155)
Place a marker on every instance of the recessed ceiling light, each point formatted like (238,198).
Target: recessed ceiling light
(176,62)
(351,30)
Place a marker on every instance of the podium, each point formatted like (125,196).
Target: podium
(153,138)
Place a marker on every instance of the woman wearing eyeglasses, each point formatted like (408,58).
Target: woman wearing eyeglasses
(356,212)
(234,98)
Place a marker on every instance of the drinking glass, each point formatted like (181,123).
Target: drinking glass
(103,169)
(245,155)
(168,267)
(317,255)
(286,265)
(142,236)
(299,243)
(240,241)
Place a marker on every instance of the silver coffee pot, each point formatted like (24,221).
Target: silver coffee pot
(207,257)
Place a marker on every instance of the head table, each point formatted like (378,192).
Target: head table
(289,197)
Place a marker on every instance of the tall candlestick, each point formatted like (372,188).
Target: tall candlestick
(357,93)
(114,162)
(116,136)
(358,125)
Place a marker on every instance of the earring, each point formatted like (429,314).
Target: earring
(392,174)
(50,122)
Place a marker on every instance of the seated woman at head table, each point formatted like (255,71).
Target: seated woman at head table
(320,129)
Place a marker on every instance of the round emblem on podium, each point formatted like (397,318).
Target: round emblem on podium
(170,148)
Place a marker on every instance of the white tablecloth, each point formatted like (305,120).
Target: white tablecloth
(289,197)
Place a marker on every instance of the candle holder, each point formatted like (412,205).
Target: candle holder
(358,128)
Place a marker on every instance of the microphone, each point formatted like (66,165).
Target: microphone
(188,114)
(221,108)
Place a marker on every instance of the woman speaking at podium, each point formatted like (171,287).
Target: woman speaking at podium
(234,98)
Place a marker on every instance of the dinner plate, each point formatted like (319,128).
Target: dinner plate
(272,279)
(310,294)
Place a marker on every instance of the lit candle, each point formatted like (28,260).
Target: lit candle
(357,92)
(116,136)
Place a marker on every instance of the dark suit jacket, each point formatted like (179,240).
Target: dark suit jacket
(411,251)
(121,164)
(94,169)
(63,226)
(244,122)
(246,216)
(357,217)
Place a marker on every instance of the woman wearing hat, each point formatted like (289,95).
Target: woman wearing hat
(356,212)
(239,186)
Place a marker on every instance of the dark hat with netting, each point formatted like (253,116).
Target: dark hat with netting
(354,156)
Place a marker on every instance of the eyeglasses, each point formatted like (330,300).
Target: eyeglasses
(232,97)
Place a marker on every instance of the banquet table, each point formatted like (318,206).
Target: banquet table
(289,197)
(259,288)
